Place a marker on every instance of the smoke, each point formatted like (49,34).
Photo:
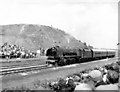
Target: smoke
(68,38)
(22,29)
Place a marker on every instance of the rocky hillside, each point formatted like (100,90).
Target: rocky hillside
(35,36)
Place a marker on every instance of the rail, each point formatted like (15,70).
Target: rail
(23,69)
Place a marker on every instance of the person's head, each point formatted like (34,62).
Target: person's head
(96,75)
(113,76)
(77,78)
(71,83)
(115,67)
(62,83)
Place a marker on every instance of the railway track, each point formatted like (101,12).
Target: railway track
(6,70)
(23,69)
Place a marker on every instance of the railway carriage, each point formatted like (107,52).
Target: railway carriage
(99,53)
(111,53)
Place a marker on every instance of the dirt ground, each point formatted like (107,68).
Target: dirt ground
(22,62)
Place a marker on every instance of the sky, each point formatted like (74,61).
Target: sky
(92,21)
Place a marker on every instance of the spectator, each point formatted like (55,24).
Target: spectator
(96,75)
(100,78)
(13,51)
(112,76)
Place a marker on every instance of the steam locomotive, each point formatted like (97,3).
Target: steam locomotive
(60,56)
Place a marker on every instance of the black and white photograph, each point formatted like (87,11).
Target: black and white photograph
(59,45)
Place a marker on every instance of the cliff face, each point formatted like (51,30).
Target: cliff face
(35,36)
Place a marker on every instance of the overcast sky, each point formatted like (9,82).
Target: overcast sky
(92,21)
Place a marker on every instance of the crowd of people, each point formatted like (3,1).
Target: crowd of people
(9,51)
(99,78)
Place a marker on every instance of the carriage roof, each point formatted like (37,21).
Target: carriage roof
(103,50)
